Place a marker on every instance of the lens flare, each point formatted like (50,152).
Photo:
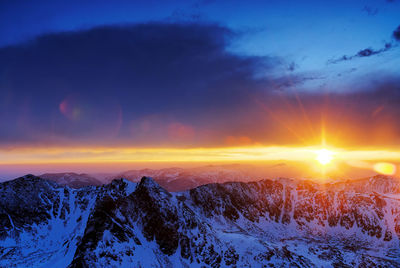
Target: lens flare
(385,168)
(70,108)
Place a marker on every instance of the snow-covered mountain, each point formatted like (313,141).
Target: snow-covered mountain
(72,179)
(269,223)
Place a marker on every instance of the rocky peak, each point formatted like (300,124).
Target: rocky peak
(148,186)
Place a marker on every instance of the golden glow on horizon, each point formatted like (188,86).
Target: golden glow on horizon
(324,156)
(228,154)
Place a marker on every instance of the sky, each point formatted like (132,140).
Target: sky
(105,81)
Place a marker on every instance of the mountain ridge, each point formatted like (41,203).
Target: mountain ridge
(231,224)
(72,179)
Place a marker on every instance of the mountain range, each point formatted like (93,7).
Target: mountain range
(267,223)
(172,179)
(72,179)
(180,179)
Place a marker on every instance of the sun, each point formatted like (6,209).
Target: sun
(324,156)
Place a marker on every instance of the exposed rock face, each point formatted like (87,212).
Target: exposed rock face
(268,223)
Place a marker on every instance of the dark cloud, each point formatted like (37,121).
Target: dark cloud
(115,83)
(396,33)
(367,52)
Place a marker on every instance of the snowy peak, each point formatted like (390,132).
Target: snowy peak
(29,180)
(148,186)
(148,182)
(120,187)
(25,201)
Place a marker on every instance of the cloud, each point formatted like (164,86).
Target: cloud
(367,52)
(94,85)
(174,84)
(396,33)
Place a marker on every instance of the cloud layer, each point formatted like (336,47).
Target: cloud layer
(122,82)
(174,84)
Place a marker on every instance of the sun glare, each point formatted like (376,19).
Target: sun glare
(324,156)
